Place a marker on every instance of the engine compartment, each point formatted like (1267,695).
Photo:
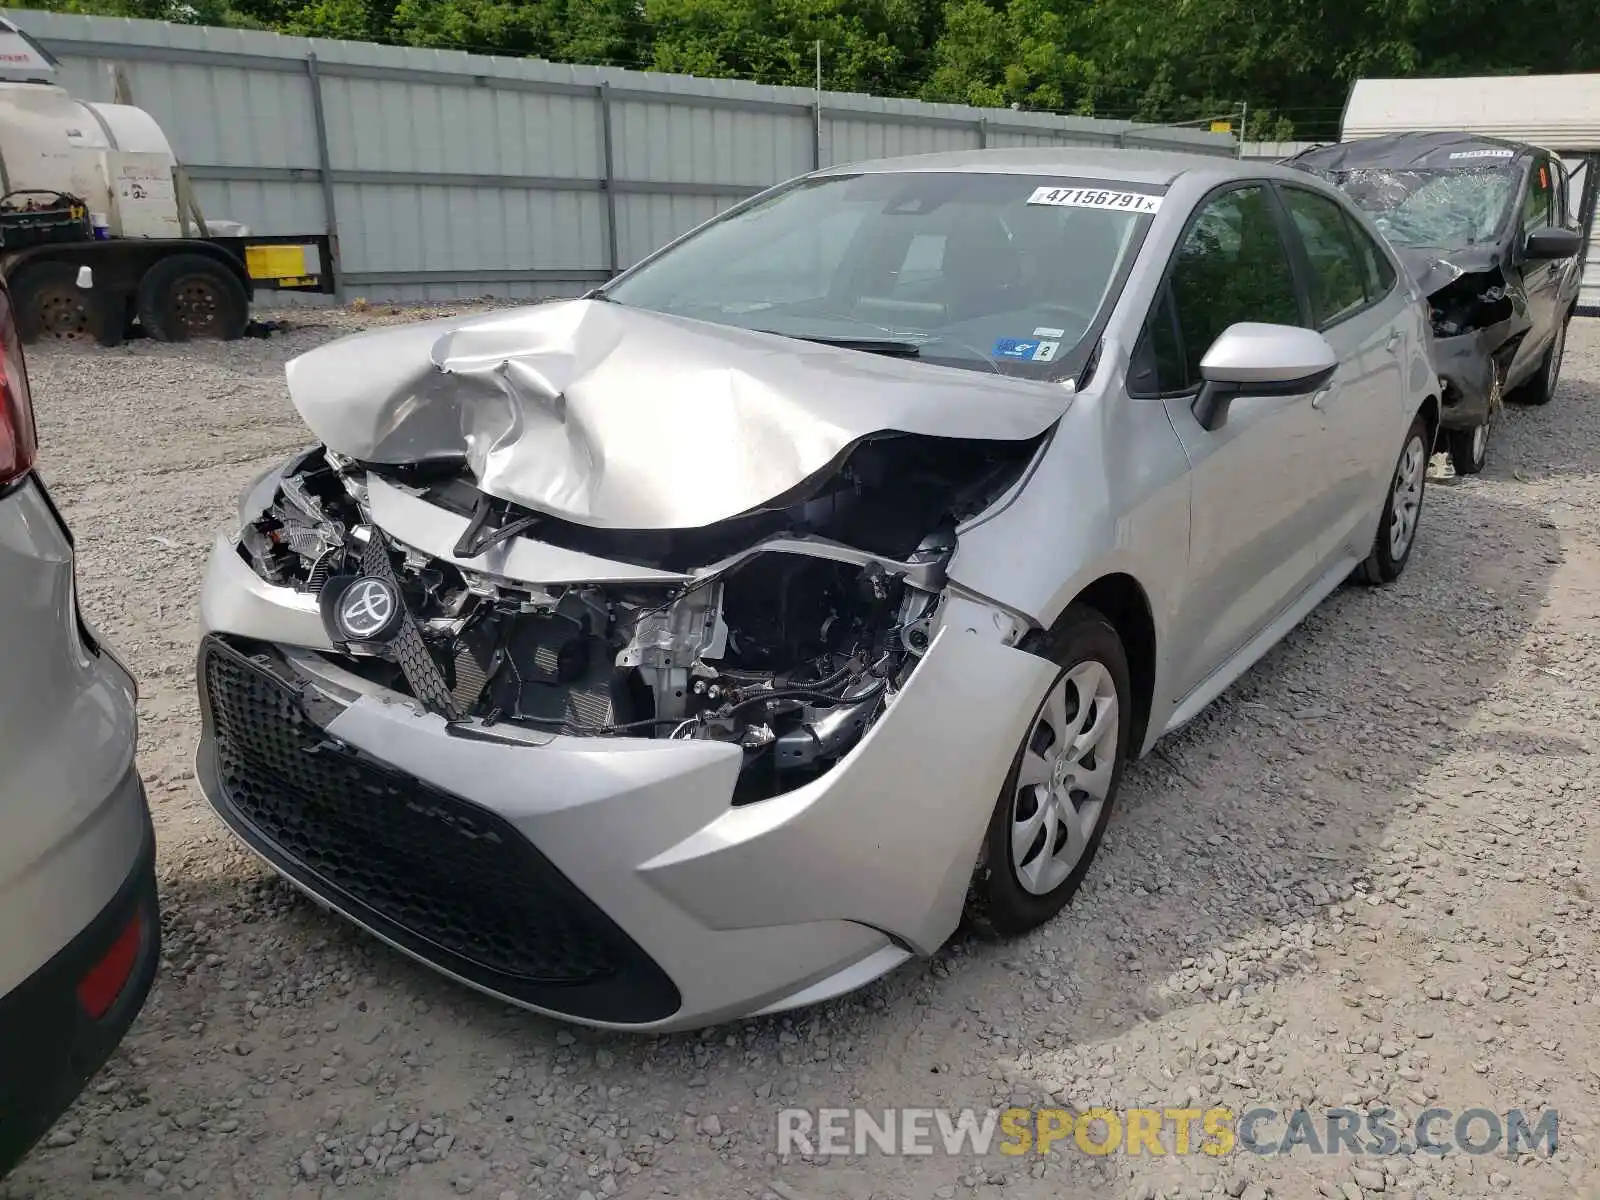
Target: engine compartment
(1475,300)
(788,632)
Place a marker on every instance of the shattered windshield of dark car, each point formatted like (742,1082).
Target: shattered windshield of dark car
(1435,208)
(983,271)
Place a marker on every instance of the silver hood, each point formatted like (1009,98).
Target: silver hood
(621,418)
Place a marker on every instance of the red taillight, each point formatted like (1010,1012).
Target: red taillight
(99,989)
(19,440)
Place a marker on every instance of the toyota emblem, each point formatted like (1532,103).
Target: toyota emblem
(368,609)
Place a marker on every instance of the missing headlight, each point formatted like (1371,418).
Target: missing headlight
(789,649)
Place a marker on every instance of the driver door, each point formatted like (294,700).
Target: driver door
(1541,281)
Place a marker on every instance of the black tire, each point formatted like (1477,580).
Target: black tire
(1469,448)
(190,296)
(997,903)
(1541,389)
(49,304)
(1384,563)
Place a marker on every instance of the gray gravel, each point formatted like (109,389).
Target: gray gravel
(1364,875)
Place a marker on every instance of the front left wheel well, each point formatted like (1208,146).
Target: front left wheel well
(1121,600)
(1431,415)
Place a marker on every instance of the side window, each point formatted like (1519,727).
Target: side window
(1376,269)
(1338,275)
(1232,266)
(1158,367)
(1536,208)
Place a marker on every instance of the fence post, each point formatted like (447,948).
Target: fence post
(983,133)
(325,172)
(608,182)
(816,136)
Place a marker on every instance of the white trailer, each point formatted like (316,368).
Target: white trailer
(1560,113)
(84,184)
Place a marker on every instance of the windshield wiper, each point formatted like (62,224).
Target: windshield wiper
(888,346)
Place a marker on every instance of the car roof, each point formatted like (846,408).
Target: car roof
(1402,151)
(1155,168)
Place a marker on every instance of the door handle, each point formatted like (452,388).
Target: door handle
(1394,341)
(1320,400)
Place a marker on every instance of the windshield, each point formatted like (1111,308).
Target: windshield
(1438,208)
(988,272)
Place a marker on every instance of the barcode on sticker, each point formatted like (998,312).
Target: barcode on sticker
(1133,202)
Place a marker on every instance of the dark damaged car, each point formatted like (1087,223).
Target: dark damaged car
(1486,229)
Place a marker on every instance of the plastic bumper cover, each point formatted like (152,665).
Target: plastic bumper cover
(732,910)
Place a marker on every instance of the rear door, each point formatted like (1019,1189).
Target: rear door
(1255,482)
(1540,280)
(1355,303)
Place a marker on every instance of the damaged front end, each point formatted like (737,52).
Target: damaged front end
(1473,319)
(787,631)
(1474,311)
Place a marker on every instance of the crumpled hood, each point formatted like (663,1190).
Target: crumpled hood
(622,418)
(1434,268)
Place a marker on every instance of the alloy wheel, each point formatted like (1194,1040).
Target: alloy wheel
(1407,497)
(1065,777)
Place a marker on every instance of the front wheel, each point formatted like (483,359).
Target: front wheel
(1402,509)
(1469,448)
(1052,811)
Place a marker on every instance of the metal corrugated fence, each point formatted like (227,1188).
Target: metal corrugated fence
(444,174)
(1273,151)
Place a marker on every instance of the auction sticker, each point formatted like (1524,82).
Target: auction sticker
(1459,154)
(1134,202)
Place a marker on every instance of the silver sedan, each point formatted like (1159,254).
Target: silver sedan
(714,643)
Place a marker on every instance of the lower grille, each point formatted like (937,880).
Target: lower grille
(450,881)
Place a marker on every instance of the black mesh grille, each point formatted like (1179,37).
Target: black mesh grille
(449,880)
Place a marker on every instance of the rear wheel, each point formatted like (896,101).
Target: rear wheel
(1402,510)
(189,296)
(49,304)
(1541,389)
(1052,812)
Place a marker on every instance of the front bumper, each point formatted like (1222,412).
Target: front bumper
(50,1047)
(610,881)
(1466,364)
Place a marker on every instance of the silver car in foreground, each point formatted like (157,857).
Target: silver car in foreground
(79,928)
(708,646)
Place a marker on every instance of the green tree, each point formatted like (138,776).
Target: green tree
(877,46)
(1030,53)
(1293,61)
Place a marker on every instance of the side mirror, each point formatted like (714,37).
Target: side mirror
(1552,242)
(1251,359)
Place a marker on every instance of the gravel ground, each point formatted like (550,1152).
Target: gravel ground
(1362,876)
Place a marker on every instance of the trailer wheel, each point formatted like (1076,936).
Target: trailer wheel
(190,296)
(49,304)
